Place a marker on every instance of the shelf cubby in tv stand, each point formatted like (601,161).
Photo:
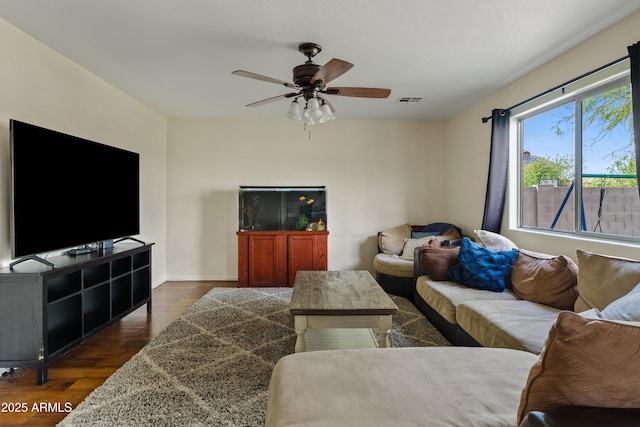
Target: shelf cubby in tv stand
(45,312)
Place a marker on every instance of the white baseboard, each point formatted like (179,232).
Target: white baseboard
(202,278)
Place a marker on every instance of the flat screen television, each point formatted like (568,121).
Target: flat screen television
(68,191)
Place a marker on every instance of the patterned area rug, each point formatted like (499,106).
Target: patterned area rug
(212,366)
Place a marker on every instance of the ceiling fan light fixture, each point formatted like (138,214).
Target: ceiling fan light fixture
(306,120)
(295,111)
(313,109)
(327,115)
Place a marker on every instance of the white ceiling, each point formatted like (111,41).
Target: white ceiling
(177,56)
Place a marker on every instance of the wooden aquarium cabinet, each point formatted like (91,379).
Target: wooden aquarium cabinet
(272,258)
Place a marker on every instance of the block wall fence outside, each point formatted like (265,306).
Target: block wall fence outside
(620,209)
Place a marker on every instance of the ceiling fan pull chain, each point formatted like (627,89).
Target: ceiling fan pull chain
(307,129)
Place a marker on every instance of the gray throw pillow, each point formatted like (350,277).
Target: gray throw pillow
(625,308)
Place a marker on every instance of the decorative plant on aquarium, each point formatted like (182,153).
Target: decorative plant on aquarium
(301,223)
(305,212)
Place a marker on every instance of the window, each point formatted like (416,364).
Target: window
(577,166)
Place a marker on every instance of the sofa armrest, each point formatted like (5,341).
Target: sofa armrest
(582,417)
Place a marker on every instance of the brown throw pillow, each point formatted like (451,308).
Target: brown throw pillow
(545,279)
(436,261)
(585,362)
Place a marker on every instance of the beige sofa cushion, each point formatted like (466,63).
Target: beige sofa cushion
(393,265)
(586,362)
(545,279)
(603,279)
(444,297)
(419,387)
(392,241)
(521,325)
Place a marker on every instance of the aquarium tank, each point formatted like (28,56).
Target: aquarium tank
(282,208)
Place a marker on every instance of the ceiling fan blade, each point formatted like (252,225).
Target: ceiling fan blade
(255,76)
(361,92)
(272,99)
(332,70)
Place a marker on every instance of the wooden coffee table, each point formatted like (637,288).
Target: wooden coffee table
(339,299)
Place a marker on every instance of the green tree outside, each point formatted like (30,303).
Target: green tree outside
(541,168)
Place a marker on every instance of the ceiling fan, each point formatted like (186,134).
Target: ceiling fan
(310,84)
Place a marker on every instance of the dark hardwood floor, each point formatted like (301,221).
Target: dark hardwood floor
(75,374)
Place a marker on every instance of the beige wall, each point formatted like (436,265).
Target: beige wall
(468,140)
(39,86)
(378,174)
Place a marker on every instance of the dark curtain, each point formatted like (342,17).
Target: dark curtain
(634,59)
(498,164)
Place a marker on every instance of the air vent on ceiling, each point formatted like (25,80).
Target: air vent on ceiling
(408,100)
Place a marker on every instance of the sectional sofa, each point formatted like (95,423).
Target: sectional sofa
(519,313)
(532,359)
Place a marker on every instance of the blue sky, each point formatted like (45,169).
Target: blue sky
(541,140)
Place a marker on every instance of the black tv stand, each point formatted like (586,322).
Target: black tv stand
(31,257)
(46,312)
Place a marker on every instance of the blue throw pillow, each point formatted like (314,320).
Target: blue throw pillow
(421,234)
(482,268)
